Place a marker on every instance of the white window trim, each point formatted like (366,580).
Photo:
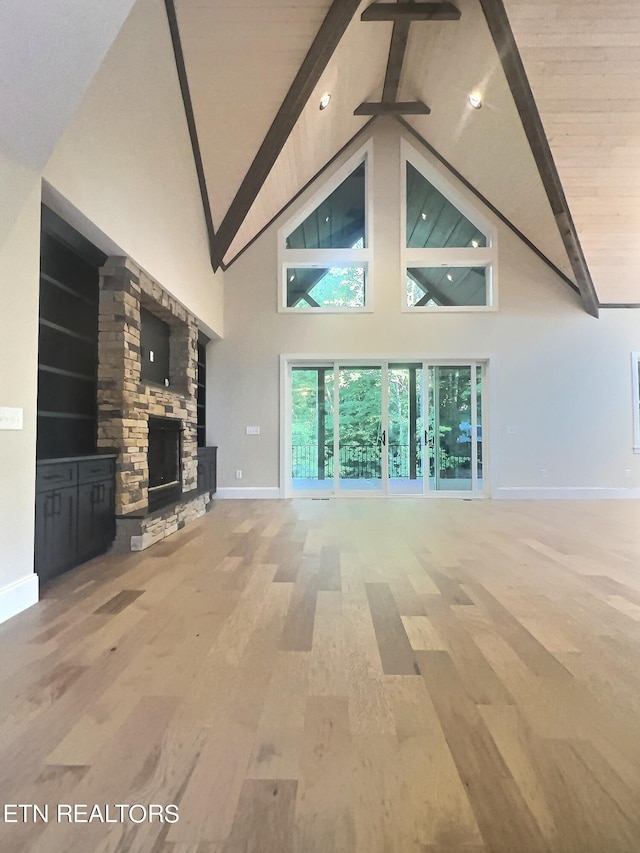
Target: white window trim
(635,392)
(455,257)
(330,257)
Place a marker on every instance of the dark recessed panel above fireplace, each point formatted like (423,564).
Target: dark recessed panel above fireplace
(165,446)
(155,337)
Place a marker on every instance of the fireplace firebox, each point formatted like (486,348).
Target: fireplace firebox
(165,450)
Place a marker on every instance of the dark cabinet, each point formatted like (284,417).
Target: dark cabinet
(56,531)
(75,512)
(207,469)
(96,519)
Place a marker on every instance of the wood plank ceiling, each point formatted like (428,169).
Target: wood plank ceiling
(582,59)
(243,63)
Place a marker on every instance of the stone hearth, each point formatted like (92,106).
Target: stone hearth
(125,400)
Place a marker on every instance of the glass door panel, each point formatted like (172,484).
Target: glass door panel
(361,434)
(312,429)
(405,427)
(450,430)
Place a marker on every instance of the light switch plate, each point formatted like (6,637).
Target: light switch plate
(512,430)
(253,430)
(11,418)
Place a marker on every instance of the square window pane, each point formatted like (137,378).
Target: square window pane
(326,287)
(446,286)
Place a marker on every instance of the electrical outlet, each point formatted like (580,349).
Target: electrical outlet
(238,474)
(627,473)
(252,430)
(11,418)
(544,473)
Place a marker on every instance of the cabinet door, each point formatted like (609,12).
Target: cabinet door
(213,464)
(55,540)
(96,518)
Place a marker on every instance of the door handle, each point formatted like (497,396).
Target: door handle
(384,437)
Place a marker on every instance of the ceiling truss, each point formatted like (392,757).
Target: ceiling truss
(401,14)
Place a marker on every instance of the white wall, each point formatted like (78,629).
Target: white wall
(19,268)
(559,375)
(122,173)
(48,57)
(125,163)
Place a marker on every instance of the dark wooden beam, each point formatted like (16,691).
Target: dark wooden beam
(500,28)
(363,130)
(411,12)
(191,122)
(401,108)
(395,62)
(620,304)
(326,41)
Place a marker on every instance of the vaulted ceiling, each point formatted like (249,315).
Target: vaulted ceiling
(554,148)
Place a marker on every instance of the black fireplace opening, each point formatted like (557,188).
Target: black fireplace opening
(165,470)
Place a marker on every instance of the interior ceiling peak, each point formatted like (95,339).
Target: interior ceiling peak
(256,73)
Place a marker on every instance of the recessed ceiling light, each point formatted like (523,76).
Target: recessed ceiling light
(475,99)
(324,100)
(449,276)
(423,215)
(326,219)
(475,244)
(291,277)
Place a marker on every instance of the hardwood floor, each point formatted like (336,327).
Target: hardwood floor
(381,676)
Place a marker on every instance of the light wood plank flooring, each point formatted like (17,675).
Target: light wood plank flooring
(381,676)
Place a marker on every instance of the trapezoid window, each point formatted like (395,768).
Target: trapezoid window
(449,252)
(324,251)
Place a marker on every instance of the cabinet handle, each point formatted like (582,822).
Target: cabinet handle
(57,503)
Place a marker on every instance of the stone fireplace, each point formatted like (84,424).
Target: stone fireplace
(163,459)
(128,406)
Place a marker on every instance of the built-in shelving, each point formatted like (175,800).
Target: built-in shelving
(68,341)
(201,390)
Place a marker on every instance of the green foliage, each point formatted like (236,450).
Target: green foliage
(360,394)
(341,287)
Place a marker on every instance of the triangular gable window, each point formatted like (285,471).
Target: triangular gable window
(338,222)
(450,251)
(434,222)
(324,250)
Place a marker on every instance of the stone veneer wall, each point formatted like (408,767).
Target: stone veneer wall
(124,400)
(136,534)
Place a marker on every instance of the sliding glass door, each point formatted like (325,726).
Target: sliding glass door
(360,429)
(452,428)
(312,428)
(385,428)
(405,408)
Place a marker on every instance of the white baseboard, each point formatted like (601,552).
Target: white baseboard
(17,596)
(573,493)
(248,493)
